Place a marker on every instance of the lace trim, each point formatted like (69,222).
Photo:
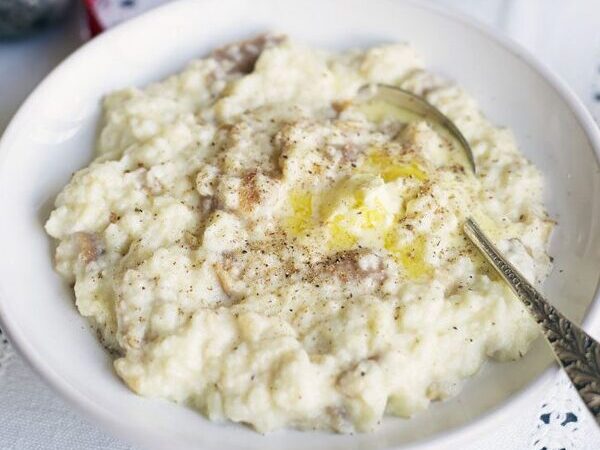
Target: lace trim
(594,103)
(560,418)
(6,353)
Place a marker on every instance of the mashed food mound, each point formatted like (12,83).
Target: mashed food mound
(255,242)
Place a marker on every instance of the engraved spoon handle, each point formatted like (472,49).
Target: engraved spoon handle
(575,350)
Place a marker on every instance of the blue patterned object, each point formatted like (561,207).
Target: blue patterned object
(18,17)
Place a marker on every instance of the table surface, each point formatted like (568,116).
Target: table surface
(563,34)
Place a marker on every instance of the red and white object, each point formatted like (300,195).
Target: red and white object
(103,14)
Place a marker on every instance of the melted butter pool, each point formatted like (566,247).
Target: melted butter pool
(359,211)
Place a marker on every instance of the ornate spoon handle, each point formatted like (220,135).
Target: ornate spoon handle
(575,350)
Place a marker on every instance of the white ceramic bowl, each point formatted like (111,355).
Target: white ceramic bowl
(52,136)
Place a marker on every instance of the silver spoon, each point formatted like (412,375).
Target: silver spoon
(576,351)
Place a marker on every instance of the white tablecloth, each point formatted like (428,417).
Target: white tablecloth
(565,34)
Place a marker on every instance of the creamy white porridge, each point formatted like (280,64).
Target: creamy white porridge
(254,242)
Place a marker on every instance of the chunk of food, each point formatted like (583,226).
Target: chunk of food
(241,56)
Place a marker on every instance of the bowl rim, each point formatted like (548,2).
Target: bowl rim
(473,428)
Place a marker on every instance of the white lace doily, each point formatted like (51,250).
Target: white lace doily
(561,418)
(6,353)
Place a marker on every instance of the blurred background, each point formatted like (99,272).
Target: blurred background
(35,35)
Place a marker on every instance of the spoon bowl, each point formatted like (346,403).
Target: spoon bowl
(423,110)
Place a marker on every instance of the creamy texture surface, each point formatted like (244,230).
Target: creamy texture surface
(255,241)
